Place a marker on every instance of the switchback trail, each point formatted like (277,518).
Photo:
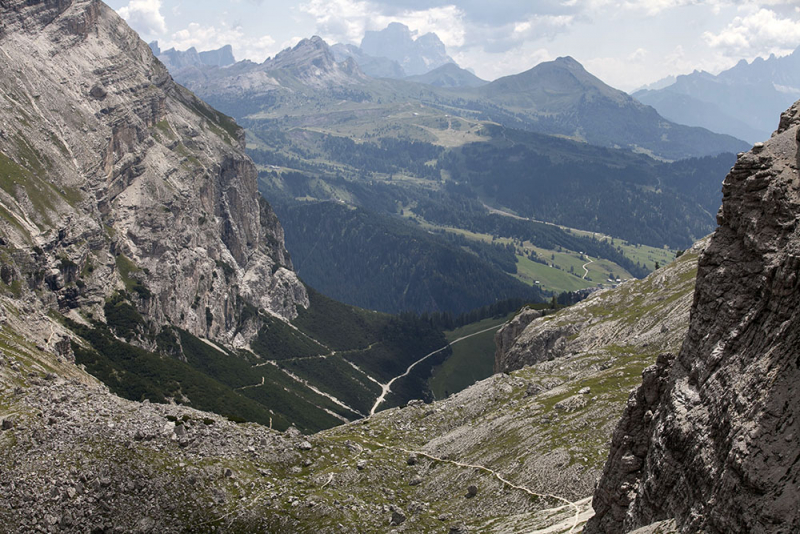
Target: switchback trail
(388,386)
(585,269)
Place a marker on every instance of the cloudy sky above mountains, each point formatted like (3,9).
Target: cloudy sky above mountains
(627,43)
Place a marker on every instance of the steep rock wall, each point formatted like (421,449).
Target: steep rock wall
(116,178)
(711,437)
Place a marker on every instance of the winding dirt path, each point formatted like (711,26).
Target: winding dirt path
(586,271)
(566,502)
(388,386)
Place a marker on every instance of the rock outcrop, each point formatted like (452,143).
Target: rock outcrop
(711,437)
(651,314)
(115,178)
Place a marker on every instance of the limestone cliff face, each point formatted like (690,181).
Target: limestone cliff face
(113,177)
(711,437)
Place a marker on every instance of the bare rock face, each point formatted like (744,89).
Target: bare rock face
(505,338)
(117,179)
(711,437)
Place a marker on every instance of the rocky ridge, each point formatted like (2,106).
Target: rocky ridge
(375,67)
(308,66)
(710,438)
(742,101)
(116,179)
(175,59)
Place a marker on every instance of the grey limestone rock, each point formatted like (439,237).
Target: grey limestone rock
(136,185)
(398,518)
(710,438)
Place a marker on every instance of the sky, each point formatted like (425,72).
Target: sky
(626,43)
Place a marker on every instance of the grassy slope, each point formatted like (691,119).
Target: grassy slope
(286,379)
(539,441)
(472,359)
(556,275)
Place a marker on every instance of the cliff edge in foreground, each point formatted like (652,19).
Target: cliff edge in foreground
(710,439)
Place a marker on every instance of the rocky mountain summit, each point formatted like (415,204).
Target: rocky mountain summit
(116,179)
(307,67)
(709,440)
(416,54)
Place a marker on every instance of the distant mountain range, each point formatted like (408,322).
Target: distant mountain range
(551,144)
(561,98)
(415,55)
(555,98)
(742,101)
(448,75)
(175,59)
(394,52)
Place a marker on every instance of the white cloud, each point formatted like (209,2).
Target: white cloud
(640,54)
(623,73)
(211,37)
(447,22)
(655,7)
(145,17)
(500,39)
(638,68)
(491,66)
(760,32)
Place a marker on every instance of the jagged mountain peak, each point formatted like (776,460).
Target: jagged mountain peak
(375,67)
(397,42)
(180,59)
(742,101)
(313,63)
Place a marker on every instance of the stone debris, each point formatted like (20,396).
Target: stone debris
(398,518)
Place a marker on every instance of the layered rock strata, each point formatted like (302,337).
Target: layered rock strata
(711,437)
(115,178)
